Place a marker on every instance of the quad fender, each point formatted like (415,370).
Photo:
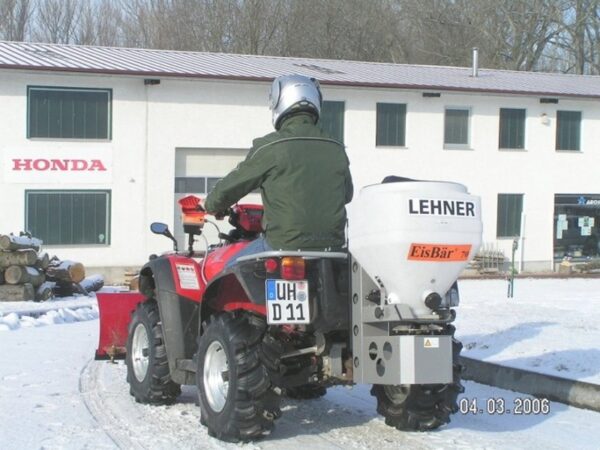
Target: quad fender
(243,287)
(229,292)
(172,274)
(175,282)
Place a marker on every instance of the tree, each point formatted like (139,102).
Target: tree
(14,19)
(551,35)
(99,24)
(57,21)
(579,42)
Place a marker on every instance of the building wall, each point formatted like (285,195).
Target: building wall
(121,154)
(538,171)
(151,121)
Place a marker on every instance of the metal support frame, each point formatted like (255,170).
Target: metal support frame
(382,358)
(282,253)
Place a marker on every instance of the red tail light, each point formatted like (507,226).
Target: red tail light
(271,265)
(292,268)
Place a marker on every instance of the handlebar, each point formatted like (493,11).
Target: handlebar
(223,214)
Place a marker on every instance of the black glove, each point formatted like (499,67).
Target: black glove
(221,215)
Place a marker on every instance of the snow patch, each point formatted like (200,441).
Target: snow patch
(28,314)
(10,322)
(550,326)
(14,320)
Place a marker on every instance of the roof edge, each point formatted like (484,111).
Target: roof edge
(92,71)
(353,61)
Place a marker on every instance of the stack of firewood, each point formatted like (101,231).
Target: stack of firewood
(489,260)
(26,273)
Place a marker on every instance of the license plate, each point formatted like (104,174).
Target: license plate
(287,301)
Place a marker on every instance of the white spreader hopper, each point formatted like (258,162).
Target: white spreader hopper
(413,238)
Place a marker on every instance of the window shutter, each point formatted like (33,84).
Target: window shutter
(510,207)
(512,128)
(391,124)
(568,130)
(456,126)
(332,119)
(64,113)
(69,217)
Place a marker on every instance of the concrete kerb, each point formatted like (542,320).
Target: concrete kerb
(571,392)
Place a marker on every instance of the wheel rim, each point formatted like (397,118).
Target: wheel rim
(216,376)
(140,352)
(397,393)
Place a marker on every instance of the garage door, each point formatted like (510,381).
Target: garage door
(197,170)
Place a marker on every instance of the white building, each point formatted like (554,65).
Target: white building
(97,143)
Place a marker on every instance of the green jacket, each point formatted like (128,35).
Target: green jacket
(304,180)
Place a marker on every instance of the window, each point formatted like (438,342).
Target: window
(68,217)
(568,130)
(456,127)
(210,183)
(66,113)
(576,226)
(391,124)
(512,128)
(510,207)
(332,120)
(195,185)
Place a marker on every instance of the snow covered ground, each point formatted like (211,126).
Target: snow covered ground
(14,315)
(549,326)
(53,395)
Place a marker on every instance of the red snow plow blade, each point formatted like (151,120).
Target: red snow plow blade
(115,313)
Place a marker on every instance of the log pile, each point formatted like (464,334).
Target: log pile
(489,260)
(132,279)
(26,273)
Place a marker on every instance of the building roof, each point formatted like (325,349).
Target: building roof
(169,63)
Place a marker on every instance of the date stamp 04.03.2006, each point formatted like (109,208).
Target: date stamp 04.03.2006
(499,406)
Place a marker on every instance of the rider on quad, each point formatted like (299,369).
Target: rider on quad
(303,175)
(295,323)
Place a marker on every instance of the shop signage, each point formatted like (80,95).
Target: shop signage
(578,200)
(441,207)
(63,165)
(58,166)
(586,201)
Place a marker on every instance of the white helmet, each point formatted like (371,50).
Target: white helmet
(294,93)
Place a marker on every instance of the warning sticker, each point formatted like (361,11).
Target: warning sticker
(439,252)
(188,279)
(431,343)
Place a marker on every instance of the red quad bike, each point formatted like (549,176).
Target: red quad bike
(296,322)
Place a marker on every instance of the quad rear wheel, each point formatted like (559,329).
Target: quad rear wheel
(420,407)
(237,399)
(147,366)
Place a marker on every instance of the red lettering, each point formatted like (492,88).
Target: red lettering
(79,164)
(432,252)
(41,164)
(59,164)
(62,165)
(21,164)
(97,165)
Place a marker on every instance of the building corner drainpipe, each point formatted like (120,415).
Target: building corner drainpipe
(475,69)
(146,183)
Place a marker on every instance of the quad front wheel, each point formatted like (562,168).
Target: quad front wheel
(147,366)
